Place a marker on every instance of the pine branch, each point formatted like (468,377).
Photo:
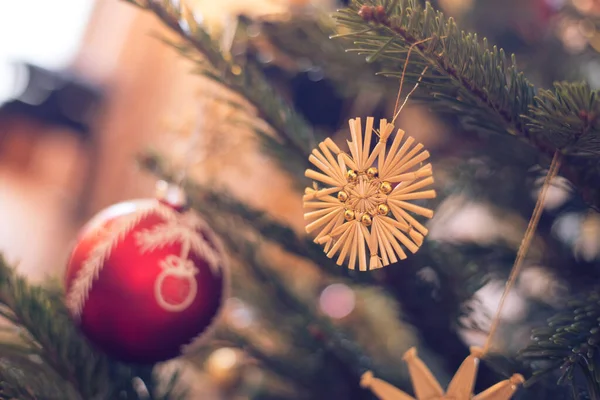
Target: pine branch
(570,344)
(469,77)
(307,359)
(473,80)
(568,117)
(296,135)
(47,329)
(283,368)
(349,360)
(260,221)
(24,379)
(303,42)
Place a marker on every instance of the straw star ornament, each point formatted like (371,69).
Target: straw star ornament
(426,387)
(364,212)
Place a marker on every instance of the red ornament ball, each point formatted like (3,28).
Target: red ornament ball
(144,280)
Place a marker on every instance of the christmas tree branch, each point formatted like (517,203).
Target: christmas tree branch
(47,329)
(274,317)
(259,220)
(286,369)
(471,79)
(296,135)
(568,117)
(348,359)
(302,44)
(570,343)
(21,377)
(468,76)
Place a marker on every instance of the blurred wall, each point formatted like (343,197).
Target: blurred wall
(139,74)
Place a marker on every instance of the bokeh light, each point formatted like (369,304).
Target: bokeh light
(237,314)
(337,301)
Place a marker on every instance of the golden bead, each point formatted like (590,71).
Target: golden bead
(236,70)
(342,196)
(383,209)
(366,220)
(351,175)
(385,187)
(349,215)
(372,172)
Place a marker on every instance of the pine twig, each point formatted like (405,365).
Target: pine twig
(349,359)
(48,330)
(475,81)
(259,220)
(476,78)
(570,343)
(285,369)
(297,136)
(306,37)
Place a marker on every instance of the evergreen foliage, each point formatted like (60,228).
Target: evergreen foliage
(570,344)
(469,77)
(294,137)
(47,358)
(465,75)
(44,356)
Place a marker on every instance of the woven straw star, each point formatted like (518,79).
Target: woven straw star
(426,387)
(365,206)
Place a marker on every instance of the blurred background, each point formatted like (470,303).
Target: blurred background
(85,86)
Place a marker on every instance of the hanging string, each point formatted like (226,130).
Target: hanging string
(398,108)
(535,217)
(525,245)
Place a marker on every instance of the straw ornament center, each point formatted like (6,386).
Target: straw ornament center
(363,195)
(363,211)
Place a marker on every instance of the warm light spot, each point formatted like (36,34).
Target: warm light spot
(572,38)
(337,301)
(584,6)
(224,358)
(456,7)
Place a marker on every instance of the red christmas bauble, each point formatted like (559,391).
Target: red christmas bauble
(144,280)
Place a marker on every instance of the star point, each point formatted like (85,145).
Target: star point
(426,386)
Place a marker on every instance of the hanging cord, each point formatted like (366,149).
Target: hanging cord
(525,245)
(535,217)
(399,107)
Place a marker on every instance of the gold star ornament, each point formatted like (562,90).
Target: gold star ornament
(364,211)
(426,387)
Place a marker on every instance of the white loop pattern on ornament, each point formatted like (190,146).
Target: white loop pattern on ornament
(176,267)
(184,230)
